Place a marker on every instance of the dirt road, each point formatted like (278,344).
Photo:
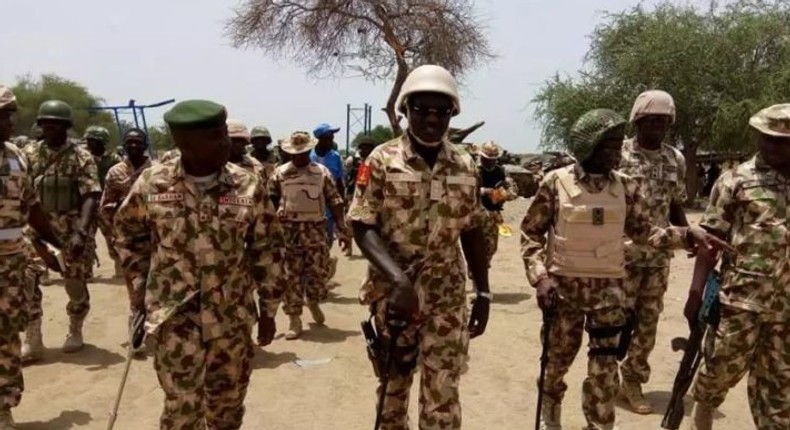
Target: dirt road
(76,391)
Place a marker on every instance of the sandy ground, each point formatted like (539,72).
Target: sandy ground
(498,392)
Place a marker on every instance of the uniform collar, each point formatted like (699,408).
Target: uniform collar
(225,177)
(445,151)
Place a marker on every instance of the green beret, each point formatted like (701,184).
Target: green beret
(196,114)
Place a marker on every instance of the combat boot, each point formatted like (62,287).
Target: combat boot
(7,420)
(703,417)
(317,313)
(73,341)
(294,328)
(33,346)
(631,393)
(551,416)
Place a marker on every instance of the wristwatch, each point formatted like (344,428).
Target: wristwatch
(487,296)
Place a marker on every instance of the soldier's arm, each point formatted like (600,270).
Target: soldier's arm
(722,209)
(37,218)
(110,199)
(639,227)
(474,244)
(511,189)
(335,203)
(90,190)
(133,242)
(273,190)
(677,215)
(268,254)
(536,224)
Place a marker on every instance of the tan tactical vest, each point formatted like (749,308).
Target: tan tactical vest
(588,235)
(303,197)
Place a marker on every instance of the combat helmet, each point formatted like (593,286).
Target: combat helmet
(57,110)
(588,131)
(96,132)
(429,79)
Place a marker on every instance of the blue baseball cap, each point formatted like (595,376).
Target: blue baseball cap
(324,129)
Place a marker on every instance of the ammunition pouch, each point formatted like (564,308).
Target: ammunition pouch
(58,194)
(625,332)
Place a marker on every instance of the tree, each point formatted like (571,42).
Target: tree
(160,139)
(376,39)
(31,92)
(379,133)
(721,65)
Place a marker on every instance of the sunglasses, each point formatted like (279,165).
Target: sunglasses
(424,111)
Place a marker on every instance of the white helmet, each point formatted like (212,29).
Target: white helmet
(429,79)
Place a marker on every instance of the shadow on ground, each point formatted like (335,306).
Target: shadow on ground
(271,360)
(64,421)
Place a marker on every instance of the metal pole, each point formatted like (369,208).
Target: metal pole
(134,112)
(348,128)
(117,119)
(145,127)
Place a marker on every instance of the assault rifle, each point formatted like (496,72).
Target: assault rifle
(693,352)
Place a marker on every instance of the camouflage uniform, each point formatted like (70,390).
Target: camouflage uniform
(195,253)
(661,174)
(103,166)
(421,213)
(171,154)
(70,163)
(255,167)
(498,180)
(119,181)
(307,254)
(18,195)
(748,206)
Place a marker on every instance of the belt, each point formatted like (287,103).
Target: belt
(10,233)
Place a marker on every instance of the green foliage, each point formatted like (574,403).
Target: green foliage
(721,65)
(379,133)
(31,92)
(160,139)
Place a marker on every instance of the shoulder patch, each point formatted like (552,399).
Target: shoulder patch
(235,200)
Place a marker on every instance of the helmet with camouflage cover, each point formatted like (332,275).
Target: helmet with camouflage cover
(260,131)
(57,110)
(96,132)
(429,79)
(589,130)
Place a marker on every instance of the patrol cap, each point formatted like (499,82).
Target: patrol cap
(260,131)
(773,120)
(7,98)
(490,150)
(196,114)
(324,129)
(298,142)
(237,129)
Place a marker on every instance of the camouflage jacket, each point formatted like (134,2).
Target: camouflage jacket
(661,174)
(18,195)
(103,165)
(255,167)
(748,207)
(542,216)
(77,164)
(420,213)
(200,253)
(119,181)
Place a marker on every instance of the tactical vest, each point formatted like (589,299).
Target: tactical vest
(588,234)
(303,197)
(57,192)
(494,178)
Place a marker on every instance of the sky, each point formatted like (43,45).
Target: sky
(154,50)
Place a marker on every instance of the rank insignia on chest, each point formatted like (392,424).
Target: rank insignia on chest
(597,216)
(164,197)
(235,201)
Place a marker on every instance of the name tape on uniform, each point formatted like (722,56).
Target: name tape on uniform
(164,197)
(235,200)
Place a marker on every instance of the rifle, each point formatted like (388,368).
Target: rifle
(548,320)
(136,337)
(693,354)
(382,360)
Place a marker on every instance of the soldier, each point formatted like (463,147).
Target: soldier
(660,171)
(352,166)
(68,187)
(586,208)
(325,153)
(260,140)
(302,190)
(239,139)
(20,206)
(496,188)
(96,139)
(748,208)
(194,235)
(119,181)
(421,198)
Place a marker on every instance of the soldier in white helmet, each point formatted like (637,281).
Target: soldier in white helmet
(421,198)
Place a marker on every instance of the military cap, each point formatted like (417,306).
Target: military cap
(7,98)
(653,102)
(237,128)
(298,142)
(196,114)
(97,133)
(260,131)
(589,130)
(490,150)
(366,140)
(773,120)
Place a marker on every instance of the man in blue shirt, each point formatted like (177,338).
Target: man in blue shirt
(324,153)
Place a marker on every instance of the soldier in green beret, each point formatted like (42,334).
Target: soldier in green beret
(196,237)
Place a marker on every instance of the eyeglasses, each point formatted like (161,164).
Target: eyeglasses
(424,111)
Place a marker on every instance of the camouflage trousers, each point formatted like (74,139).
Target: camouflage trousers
(645,290)
(491,233)
(205,382)
(78,305)
(749,342)
(306,268)
(586,304)
(439,345)
(15,295)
